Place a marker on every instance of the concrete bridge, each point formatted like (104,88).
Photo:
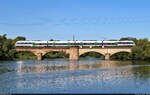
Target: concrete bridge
(74,52)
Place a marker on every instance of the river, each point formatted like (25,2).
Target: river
(90,75)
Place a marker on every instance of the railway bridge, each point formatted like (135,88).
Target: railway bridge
(74,52)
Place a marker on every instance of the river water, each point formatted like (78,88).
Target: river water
(90,75)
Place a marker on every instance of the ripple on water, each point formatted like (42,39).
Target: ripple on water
(63,76)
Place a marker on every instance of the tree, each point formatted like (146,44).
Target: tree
(128,38)
(20,38)
(7,47)
(51,40)
(3,39)
(122,56)
(142,50)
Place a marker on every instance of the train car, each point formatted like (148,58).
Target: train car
(126,43)
(40,44)
(89,43)
(60,43)
(118,43)
(24,43)
(73,43)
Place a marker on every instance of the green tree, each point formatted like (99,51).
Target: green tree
(142,50)
(128,38)
(7,47)
(20,38)
(51,40)
(122,56)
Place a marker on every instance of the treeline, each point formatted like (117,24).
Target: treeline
(139,52)
(7,49)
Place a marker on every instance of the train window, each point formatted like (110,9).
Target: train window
(50,44)
(88,43)
(108,43)
(85,43)
(61,43)
(25,43)
(125,42)
(78,44)
(40,43)
(73,43)
(57,43)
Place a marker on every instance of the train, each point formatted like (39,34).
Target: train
(84,43)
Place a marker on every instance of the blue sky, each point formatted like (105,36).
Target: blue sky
(86,19)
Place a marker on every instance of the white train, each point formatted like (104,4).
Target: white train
(72,43)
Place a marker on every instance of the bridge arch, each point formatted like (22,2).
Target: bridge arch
(120,51)
(44,53)
(25,54)
(83,51)
(122,55)
(55,54)
(98,54)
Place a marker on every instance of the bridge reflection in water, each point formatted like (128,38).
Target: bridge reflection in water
(78,74)
(71,65)
(95,76)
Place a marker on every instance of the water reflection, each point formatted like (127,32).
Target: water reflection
(69,66)
(84,76)
(20,65)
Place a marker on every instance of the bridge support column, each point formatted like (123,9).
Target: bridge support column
(107,56)
(39,56)
(74,53)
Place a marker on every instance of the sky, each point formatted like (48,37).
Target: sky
(85,19)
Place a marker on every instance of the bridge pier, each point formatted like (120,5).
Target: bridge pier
(74,53)
(107,56)
(39,56)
